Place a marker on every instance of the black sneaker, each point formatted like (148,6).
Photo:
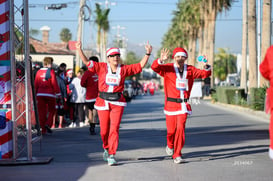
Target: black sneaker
(92,131)
(48,129)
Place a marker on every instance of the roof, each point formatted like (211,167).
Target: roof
(50,48)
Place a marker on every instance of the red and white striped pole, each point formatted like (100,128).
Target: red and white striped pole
(6,149)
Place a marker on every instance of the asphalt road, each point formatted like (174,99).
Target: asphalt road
(221,144)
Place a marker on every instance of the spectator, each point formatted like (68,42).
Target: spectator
(78,99)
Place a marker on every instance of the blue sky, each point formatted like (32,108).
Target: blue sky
(142,20)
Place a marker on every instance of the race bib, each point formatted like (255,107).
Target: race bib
(112,80)
(182,84)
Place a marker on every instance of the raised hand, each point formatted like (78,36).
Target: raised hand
(164,54)
(79,45)
(148,48)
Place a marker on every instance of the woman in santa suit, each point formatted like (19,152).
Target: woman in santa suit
(266,69)
(110,102)
(178,81)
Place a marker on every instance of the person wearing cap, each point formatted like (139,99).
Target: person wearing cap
(178,81)
(90,82)
(266,69)
(110,102)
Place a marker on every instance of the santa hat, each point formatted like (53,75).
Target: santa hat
(69,71)
(112,51)
(180,52)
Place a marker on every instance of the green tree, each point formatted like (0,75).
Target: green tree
(65,35)
(225,63)
(131,58)
(102,25)
(34,32)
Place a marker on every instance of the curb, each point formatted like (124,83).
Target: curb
(242,110)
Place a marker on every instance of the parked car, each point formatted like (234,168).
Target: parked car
(128,90)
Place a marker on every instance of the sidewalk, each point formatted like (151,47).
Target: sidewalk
(261,115)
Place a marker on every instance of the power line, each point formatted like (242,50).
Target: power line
(121,20)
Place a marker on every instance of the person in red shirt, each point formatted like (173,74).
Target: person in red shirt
(47,89)
(110,102)
(266,69)
(90,82)
(178,81)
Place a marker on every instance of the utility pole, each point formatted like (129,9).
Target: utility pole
(118,27)
(259,40)
(79,34)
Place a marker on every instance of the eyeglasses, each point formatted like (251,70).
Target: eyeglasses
(116,55)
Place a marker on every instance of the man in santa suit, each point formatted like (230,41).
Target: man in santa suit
(110,102)
(178,81)
(47,90)
(90,82)
(266,69)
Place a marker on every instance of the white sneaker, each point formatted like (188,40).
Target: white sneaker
(72,125)
(270,153)
(111,160)
(178,160)
(105,155)
(169,151)
(81,124)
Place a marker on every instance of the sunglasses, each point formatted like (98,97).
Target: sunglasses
(116,55)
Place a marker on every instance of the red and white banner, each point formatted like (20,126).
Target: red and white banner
(5,83)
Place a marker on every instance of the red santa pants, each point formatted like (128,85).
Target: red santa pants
(271,130)
(176,132)
(46,105)
(109,127)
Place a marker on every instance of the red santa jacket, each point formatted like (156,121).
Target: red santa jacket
(169,73)
(266,69)
(48,88)
(90,82)
(102,69)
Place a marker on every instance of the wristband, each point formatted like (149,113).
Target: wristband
(148,54)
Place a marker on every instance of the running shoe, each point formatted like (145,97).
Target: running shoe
(169,151)
(111,160)
(48,129)
(105,155)
(178,160)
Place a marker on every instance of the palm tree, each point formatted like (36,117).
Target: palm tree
(65,35)
(225,63)
(266,33)
(252,44)
(243,83)
(214,7)
(103,25)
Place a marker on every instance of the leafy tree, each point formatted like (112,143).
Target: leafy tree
(34,32)
(131,58)
(65,35)
(102,24)
(224,64)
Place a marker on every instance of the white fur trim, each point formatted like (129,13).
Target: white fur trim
(90,64)
(183,54)
(112,51)
(91,100)
(69,71)
(159,62)
(271,153)
(106,107)
(209,68)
